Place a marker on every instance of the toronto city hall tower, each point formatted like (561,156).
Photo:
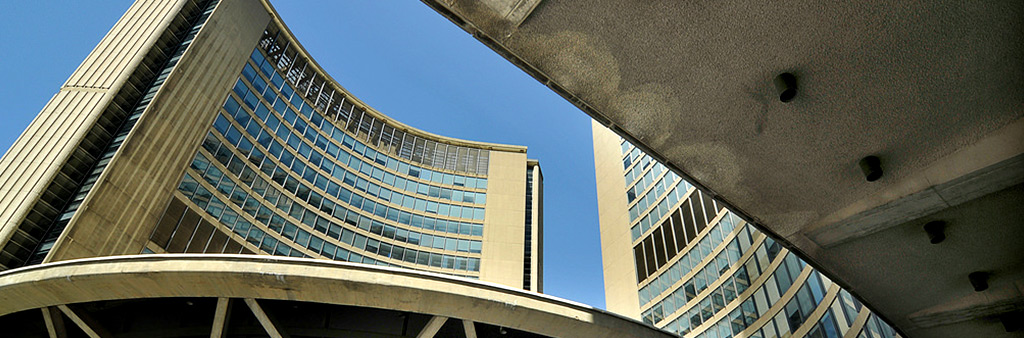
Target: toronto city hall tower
(678,259)
(202,127)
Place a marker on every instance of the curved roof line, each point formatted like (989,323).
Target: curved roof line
(359,103)
(307,280)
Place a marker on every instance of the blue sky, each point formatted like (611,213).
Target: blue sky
(399,57)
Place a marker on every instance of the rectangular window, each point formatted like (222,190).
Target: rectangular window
(706,309)
(772,288)
(694,315)
(372,245)
(334,230)
(638,257)
(347,236)
(717,300)
(699,282)
(711,272)
(806,301)
(687,216)
(691,291)
(793,316)
(649,252)
(698,215)
(784,280)
(709,207)
(659,248)
(316,244)
(761,302)
(240,88)
(360,241)
(728,290)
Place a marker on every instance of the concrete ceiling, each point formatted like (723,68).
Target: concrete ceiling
(935,89)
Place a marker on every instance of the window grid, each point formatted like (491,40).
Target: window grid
(335,139)
(313,86)
(299,218)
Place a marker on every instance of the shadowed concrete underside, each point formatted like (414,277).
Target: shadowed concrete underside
(934,90)
(144,294)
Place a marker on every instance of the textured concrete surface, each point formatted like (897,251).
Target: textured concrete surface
(935,89)
(306,280)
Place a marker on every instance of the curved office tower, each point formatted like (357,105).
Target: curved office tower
(677,259)
(203,126)
(214,131)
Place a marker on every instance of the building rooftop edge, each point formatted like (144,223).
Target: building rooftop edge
(276,18)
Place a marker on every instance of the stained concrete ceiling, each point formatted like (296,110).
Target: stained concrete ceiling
(935,89)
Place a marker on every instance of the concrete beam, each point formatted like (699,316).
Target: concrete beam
(234,276)
(54,323)
(85,322)
(432,327)
(470,329)
(974,306)
(268,323)
(220,318)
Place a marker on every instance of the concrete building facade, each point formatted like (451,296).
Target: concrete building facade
(204,127)
(677,259)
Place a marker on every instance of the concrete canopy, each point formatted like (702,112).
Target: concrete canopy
(934,89)
(272,278)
